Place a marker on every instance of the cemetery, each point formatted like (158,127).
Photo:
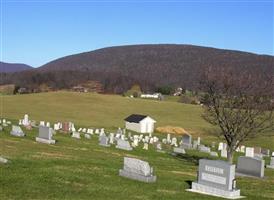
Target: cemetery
(66,158)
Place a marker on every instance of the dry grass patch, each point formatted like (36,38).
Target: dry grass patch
(167,191)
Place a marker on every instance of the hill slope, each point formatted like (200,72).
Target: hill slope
(117,68)
(13,67)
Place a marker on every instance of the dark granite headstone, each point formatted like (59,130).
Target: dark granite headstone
(250,166)
(216,178)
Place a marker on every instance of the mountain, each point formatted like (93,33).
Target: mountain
(150,66)
(13,67)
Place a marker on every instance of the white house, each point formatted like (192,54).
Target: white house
(140,123)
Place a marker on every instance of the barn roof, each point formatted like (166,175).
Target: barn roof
(135,118)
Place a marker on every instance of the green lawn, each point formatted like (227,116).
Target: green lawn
(81,169)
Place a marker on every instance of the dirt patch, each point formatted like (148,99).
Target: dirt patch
(171,129)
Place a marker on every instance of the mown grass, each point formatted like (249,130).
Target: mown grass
(81,169)
(108,111)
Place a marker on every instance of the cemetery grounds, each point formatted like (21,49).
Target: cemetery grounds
(81,169)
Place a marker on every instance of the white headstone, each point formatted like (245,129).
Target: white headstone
(224,153)
(76,135)
(249,152)
(145,146)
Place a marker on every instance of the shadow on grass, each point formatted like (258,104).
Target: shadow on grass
(189,183)
(190,158)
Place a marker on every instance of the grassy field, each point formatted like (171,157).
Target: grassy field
(81,169)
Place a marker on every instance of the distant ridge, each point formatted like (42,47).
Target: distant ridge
(13,67)
(150,66)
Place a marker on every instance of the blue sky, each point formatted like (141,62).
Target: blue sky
(36,32)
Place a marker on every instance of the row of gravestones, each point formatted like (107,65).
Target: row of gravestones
(208,181)
(186,142)
(44,136)
(247,166)
(215,177)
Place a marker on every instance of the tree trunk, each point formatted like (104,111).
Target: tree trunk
(230,154)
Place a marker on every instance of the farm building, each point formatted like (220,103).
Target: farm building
(140,123)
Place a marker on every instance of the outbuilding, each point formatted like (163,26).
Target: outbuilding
(140,123)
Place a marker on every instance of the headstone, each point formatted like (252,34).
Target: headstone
(221,146)
(137,170)
(238,149)
(45,135)
(187,141)
(84,130)
(257,150)
(123,137)
(242,149)
(17,131)
(56,127)
(195,144)
(164,141)
(214,154)
(224,153)
(249,152)
(111,138)
(203,148)
(136,141)
(174,142)
(65,127)
(159,146)
(145,146)
(25,121)
(168,139)
(146,139)
(265,152)
(250,166)
(103,141)
(119,131)
(122,144)
(198,141)
(42,123)
(217,178)
(3,160)
(76,135)
(48,124)
(97,131)
(87,136)
(271,166)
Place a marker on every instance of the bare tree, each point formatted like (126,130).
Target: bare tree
(241,105)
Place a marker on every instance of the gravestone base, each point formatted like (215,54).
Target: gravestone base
(138,177)
(270,166)
(124,148)
(203,189)
(179,150)
(17,134)
(42,140)
(104,145)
